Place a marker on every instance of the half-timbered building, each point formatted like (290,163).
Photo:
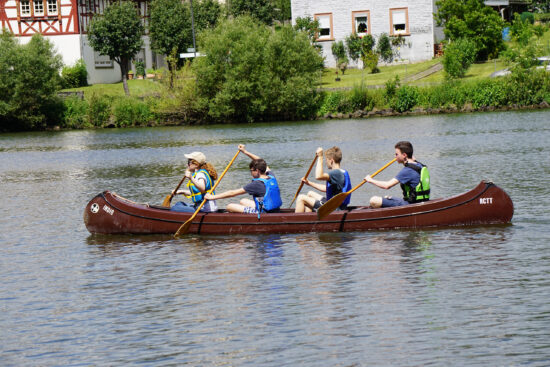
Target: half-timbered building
(64,23)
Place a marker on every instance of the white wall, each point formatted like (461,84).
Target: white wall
(419,46)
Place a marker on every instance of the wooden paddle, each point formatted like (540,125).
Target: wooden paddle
(302,182)
(337,200)
(185,226)
(168,198)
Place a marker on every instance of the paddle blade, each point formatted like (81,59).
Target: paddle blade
(184,227)
(331,205)
(167,200)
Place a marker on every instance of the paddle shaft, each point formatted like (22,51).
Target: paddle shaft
(168,198)
(185,226)
(302,183)
(337,200)
(374,174)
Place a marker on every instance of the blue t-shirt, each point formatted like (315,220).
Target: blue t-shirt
(408,176)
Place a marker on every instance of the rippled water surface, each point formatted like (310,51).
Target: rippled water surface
(477,296)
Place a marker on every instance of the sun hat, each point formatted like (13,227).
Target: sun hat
(197,156)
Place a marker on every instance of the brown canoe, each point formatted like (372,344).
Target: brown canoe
(110,213)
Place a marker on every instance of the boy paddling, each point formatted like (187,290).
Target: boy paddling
(336,181)
(264,189)
(414,179)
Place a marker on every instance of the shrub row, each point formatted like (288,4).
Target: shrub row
(524,88)
(106,111)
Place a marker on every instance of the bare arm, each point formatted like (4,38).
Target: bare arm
(319,173)
(250,155)
(224,195)
(382,184)
(315,185)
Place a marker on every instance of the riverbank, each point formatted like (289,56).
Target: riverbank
(521,90)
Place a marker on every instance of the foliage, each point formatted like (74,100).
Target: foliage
(170,26)
(251,72)
(368,56)
(74,116)
(282,10)
(335,102)
(339,53)
(527,17)
(360,99)
(29,81)
(384,48)
(261,10)
(206,14)
(521,31)
(472,19)
(130,112)
(309,26)
(459,56)
(541,6)
(117,34)
(353,46)
(75,76)
(391,88)
(140,68)
(406,98)
(99,110)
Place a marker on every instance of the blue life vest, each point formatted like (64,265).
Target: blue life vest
(331,190)
(272,198)
(196,194)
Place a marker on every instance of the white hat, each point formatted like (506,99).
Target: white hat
(197,156)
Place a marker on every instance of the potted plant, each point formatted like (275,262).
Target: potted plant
(150,74)
(130,75)
(140,69)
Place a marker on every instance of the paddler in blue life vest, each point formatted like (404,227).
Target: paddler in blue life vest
(337,181)
(264,189)
(201,177)
(414,179)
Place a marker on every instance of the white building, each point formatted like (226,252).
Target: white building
(64,23)
(412,19)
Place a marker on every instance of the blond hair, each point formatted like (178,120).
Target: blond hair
(335,154)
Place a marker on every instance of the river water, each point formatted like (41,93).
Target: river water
(477,296)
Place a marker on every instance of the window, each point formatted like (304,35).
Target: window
(25,8)
(102,61)
(38,8)
(52,7)
(399,19)
(361,22)
(325,26)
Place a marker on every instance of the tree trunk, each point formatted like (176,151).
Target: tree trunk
(124,72)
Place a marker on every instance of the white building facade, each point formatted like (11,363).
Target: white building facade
(412,19)
(64,23)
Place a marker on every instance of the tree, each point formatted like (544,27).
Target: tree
(353,45)
(309,26)
(459,56)
(282,10)
(251,72)
(384,48)
(339,53)
(29,81)
(259,9)
(368,56)
(170,26)
(117,34)
(474,20)
(541,6)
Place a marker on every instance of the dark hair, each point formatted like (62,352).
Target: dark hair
(335,154)
(258,164)
(405,147)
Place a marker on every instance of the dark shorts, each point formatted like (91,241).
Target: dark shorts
(318,203)
(391,201)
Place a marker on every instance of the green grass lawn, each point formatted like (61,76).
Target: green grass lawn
(356,76)
(475,72)
(137,87)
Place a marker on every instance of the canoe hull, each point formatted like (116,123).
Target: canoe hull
(108,213)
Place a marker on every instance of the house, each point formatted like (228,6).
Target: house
(64,23)
(412,19)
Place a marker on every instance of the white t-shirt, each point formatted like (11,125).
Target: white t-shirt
(210,205)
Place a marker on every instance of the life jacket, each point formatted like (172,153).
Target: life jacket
(272,198)
(331,190)
(196,194)
(422,191)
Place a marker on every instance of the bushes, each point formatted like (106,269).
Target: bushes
(75,76)
(406,98)
(346,102)
(458,57)
(130,112)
